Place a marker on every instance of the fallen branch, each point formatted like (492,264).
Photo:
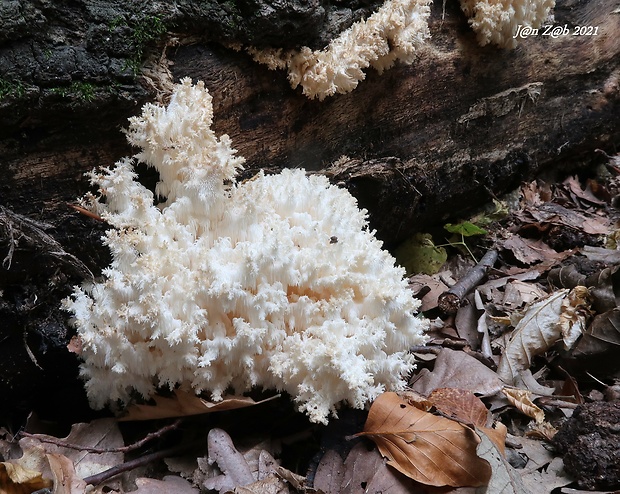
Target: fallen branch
(135,463)
(450,301)
(123,449)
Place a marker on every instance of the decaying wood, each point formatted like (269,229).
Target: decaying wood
(461,122)
(416,145)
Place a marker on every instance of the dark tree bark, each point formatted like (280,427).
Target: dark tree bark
(422,142)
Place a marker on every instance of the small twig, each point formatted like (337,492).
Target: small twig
(450,301)
(137,462)
(124,449)
(86,212)
(548,401)
(435,349)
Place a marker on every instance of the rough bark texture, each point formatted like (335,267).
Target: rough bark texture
(422,142)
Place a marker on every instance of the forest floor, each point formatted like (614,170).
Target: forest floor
(517,390)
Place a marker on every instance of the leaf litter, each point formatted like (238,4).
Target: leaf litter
(532,337)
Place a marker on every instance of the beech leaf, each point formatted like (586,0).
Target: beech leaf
(602,336)
(533,335)
(66,480)
(466,407)
(460,404)
(458,370)
(182,404)
(505,478)
(429,449)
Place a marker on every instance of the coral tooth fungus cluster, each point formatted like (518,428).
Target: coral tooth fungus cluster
(275,282)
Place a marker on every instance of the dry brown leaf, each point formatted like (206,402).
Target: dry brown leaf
(66,480)
(518,294)
(183,404)
(234,467)
(329,473)
(460,404)
(528,251)
(272,484)
(544,431)
(601,254)
(466,407)
(432,285)
(360,468)
(429,449)
(573,319)
(602,336)
(573,185)
(554,214)
(548,479)
(505,478)
(101,433)
(521,399)
(416,399)
(534,334)
(364,471)
(535,193)
(497,434)
(170,484)
(16,479)
(457,370)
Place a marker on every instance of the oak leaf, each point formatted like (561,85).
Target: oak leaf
(429,449)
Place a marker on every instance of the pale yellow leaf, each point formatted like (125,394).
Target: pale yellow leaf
(16,479)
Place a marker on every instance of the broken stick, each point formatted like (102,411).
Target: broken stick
(450,301)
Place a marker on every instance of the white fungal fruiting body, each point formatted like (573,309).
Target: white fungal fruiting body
(274,282)
(395,32)
(497,21)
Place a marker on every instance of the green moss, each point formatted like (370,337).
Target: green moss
(11,89)
(143,32)
(79,90)
(148,29)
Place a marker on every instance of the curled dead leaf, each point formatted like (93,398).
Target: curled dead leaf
(521,399)
(574,316)
(429,449)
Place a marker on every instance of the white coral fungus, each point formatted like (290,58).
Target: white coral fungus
(497,21)
(273,282)
(395,32)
